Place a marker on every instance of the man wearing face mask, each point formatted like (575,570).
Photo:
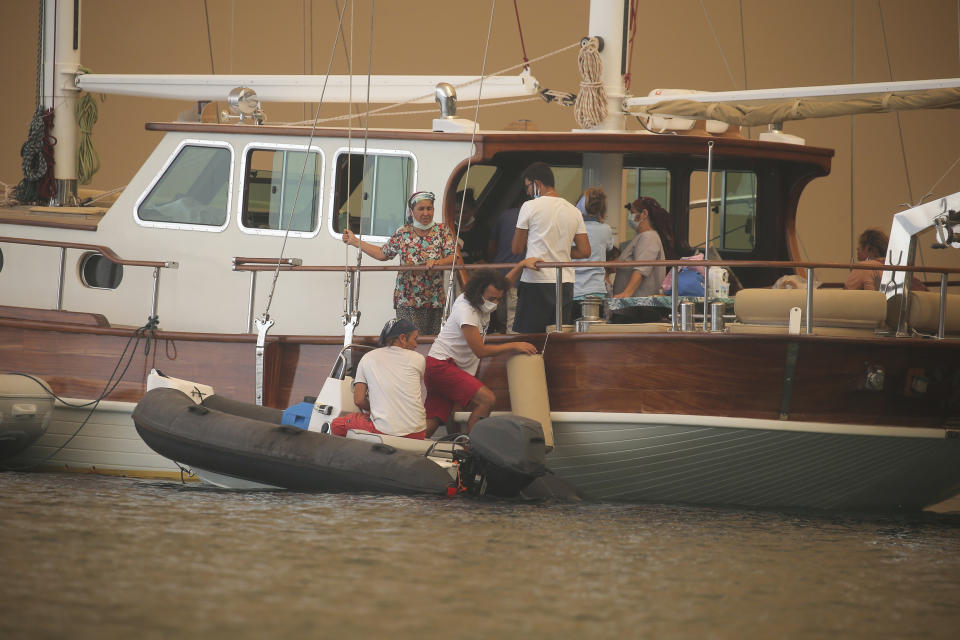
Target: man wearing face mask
(455,355)
(550,227)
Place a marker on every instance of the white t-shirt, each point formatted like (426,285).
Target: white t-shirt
(451,343)
(394,377)
(551,223)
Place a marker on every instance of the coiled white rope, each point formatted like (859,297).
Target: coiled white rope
(590,108)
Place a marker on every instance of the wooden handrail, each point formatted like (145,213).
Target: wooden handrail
(269,264)
(106,252)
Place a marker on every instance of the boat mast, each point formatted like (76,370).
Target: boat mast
(61,62)
(607,20)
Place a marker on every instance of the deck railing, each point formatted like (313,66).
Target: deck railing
(254,265)
(107,253)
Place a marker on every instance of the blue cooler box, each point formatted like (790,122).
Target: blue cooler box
(298,415)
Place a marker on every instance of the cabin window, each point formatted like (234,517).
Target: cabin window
(647,182)
(193,191)
(97,272)
(733,210)
(275,199)
(480,177)
(370,195)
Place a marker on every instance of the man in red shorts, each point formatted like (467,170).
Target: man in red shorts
(455,355)
(387,387)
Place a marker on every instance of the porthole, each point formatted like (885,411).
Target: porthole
(97,272)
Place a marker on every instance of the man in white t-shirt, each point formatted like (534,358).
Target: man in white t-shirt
(552,229)
(454,358)
(388,386)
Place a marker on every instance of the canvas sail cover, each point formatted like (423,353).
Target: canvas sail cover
(750,114)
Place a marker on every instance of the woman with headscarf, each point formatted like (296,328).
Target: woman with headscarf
(419,295)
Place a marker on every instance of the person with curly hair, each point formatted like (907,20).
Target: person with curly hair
(871,249)
(454,358)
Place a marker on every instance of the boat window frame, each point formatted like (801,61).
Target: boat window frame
(186,226)
(720,232)
(331,213)
(85,259)
(269,146)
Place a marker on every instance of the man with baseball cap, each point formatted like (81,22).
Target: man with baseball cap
(387,387)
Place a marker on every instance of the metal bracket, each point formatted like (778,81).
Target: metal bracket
(263,324)
(789,375)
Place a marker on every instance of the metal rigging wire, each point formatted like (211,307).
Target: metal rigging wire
(286,235)
(466,177)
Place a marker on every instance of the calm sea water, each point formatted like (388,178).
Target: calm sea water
(88,556)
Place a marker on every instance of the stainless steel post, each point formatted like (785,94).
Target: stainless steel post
(686,317)
(263,325)
(63,268)
(706,242)
(942,322)
(156,292)
(716,316)
(674,296)
(351,317)
(253,292)
(809,318)
(559,305)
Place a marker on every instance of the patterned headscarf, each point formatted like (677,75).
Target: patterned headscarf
(418,196)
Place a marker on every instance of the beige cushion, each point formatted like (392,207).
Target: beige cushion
(865,310)
(770,329)
(925,312)
(638,327)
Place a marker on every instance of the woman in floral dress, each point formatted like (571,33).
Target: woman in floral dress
(419,295)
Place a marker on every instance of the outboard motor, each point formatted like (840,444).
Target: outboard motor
(506,454)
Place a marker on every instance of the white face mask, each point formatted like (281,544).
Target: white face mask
(489,306)
(633,222)
(423,227)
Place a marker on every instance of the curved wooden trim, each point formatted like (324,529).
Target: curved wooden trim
(54,315)
(160,334)
(106,252)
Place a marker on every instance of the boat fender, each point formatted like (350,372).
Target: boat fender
(527,383)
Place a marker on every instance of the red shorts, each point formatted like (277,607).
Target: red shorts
(447,384)
(362,422)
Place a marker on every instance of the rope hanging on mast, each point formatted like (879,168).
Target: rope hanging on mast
(37,151)
(590,108)
(88,160)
